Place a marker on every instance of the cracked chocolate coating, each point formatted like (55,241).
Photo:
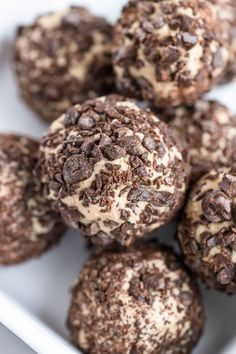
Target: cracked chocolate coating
(227,16)
(156,308)
(113,169)
(208,231)
(207,131)
(63,58)
(169,52)
(28,226)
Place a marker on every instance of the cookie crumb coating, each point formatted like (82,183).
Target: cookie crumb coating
(207,232)
(63,58)
(207,131)
(113,170)
(28,226)
(168,52)
(140,301)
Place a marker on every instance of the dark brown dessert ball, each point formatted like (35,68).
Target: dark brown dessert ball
(208,230)
(113,169)
(140,301)
(28,226)
(63,58)
(207,131)
(169,52)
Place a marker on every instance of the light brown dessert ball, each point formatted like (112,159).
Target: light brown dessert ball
(169,52)
(140,301)
(227,17)
(28,226)
(113,170)
(63,58)
(207,131)
(208,230)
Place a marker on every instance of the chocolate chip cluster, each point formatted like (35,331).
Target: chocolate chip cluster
(139,301)
(63,58)
(168,52)
(207,232)
(113,169)
(207,131)
(28,226)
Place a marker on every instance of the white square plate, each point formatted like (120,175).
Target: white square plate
(42,286)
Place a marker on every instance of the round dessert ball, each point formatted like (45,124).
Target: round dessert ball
(157,307)
(168,52)
(227,16)
(208,134)
(63,58)
(208,230)
(28,226)
(113,169)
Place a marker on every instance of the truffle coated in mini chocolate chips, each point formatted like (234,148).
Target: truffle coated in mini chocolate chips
(157,307)
(113,169)
(169,52)
(28,226)
(207,232)
(63,58)
(207,131)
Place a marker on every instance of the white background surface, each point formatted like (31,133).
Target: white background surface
(42,285)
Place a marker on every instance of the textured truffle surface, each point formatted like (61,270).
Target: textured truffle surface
(156,308)
(208,134)
(113,169)
(27,225)
(227,15)
(169,52)
(63,58)
(208,233)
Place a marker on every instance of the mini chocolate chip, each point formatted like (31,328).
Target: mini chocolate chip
(141,194)
(149,142)
(72,19)
(104,141)
(171,55)
(216,206)
(162,198)
(154,281)
(129,142)
(189,40)
(102,239)
(71,116)
(86,122)
(159,22)
(135,350)
(77,168)
(228,185)
(226,275)
(114,152)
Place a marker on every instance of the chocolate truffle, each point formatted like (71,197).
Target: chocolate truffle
(63,58)
(227,17)
(138,301)
(208,133)
(27,224)
(208,230)
(113,169)
(168,52)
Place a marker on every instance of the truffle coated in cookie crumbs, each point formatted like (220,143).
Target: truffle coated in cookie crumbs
(113,170)
(207,232)
(63,58)
(139,301)
(168,52)
(28,226)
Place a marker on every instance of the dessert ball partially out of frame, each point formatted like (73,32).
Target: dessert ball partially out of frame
(63,58)
(168,52)
(207,233)
(113,169)
(27,224)
(208,133)
(227,16)
(140,301)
